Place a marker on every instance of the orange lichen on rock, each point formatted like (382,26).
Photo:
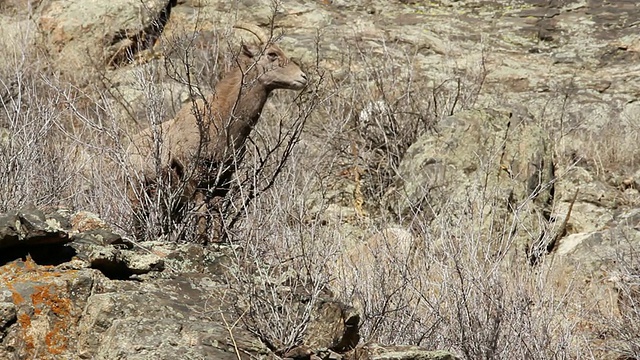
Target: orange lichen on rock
(56,340)
(43,297)
(16,297)
(44,300)
(24,320)
(45,310)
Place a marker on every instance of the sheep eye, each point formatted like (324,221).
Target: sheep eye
(272,55)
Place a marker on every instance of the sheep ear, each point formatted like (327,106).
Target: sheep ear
(250,50)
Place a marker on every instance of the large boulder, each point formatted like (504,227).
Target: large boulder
(494,165)
(60,313)
(84,36)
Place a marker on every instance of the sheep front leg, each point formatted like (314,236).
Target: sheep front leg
(217,225)
(202,218)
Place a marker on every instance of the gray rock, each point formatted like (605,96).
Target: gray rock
(10,230)
(178,318)
(31,231)
(600,250)
(378,352)
(82,40)
(45,303)
(334,326)
(8,315)
(121,264)
(98,237)
(602,264)
(30,227)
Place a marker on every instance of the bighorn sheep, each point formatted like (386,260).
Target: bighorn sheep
(198,148)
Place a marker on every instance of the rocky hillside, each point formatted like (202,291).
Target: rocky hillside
(460,179)
(80,291)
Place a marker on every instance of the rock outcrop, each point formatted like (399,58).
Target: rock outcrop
(72,288)
(84,37)
(504,158)
(528,125)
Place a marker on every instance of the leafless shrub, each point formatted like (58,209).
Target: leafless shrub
(617,332)
(279,268)
(34,158)
(449,286)
(383,103)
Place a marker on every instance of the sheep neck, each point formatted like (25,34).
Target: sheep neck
(242,106)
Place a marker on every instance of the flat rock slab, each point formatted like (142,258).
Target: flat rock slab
(25,228)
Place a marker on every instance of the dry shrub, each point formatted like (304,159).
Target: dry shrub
(437,287)
(383,102)
(597,134)
(279,267)
(613,149)
(616,331)
(35,159)
(443,289)
(316,167)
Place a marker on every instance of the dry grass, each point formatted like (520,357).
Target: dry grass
(306,205)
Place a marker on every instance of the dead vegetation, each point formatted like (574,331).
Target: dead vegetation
(310,189)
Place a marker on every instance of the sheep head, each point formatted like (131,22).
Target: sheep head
(267,64)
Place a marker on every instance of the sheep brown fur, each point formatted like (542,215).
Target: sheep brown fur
(198,148)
